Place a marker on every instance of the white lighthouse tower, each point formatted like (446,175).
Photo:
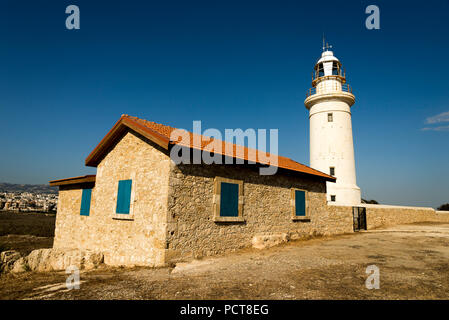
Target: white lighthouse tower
(329,103)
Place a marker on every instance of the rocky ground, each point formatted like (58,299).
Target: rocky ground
(413,262)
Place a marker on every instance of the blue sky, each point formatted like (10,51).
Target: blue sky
(230,64)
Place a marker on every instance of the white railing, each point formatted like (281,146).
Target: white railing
(343,87)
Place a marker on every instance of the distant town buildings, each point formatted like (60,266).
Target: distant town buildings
(28,202)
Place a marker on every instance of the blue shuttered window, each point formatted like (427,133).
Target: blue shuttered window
(229,200)
(123,196)
(85,202)
(300,203)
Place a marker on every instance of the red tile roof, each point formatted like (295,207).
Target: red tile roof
(160,134)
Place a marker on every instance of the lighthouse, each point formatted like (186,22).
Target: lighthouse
(329,103)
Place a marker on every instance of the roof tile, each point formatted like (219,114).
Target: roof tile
(228,149)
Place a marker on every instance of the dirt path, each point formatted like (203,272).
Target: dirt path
(413,262)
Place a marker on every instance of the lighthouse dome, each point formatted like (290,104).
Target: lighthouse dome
(327,56)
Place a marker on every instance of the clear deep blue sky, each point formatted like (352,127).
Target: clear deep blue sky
(230,64)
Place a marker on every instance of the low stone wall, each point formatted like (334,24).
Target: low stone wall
(385,215)
(442,216)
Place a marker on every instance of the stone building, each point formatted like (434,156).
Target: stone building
(142,208)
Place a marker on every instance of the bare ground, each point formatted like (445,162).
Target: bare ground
(25,232)
(36,224)
(413,262)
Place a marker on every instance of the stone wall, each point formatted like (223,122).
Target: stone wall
(192,232)
(442,216)
(385,215)
(140,241)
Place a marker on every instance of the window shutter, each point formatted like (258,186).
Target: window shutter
(300,203)
(123,196)
(85,202)
(229,200)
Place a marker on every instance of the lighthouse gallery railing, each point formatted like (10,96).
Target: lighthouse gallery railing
(336,88)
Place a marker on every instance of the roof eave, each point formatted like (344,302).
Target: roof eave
(74,180)
(318,173)
(95,157)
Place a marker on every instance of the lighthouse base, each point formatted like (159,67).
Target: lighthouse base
(343,194)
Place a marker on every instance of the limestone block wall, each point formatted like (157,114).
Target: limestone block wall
(192,231)
(442,216)
(69,203)
(385,215)
(140,241)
